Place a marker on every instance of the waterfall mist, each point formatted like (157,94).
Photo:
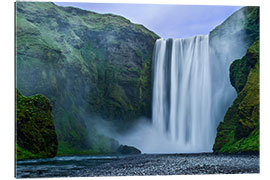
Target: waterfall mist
(191,93)
(191,90)
(182,98)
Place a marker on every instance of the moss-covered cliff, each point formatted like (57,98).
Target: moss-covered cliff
(240,130)
(35,130)
(88,65)
(229,41)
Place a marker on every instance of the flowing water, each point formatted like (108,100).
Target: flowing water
(187,104)
(61,166)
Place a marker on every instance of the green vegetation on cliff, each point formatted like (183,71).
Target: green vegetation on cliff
(241,67)
(240,130)
(88,65)
(35,130)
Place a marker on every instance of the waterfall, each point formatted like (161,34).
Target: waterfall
(184,93)
(191,94)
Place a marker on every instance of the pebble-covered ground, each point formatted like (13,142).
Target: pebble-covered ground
(138,165)
(175,164)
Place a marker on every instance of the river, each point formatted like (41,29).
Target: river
(143,164)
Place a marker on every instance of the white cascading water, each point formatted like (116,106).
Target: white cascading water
(191,90)
(182,93)
(191,94)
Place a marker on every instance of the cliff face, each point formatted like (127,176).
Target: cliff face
(35,130)
(93,66)
(88,65)
(236,34)
(229,41)
(240,130)
(241,68)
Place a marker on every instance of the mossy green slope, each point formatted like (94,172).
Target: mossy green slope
(240,68)
(240,130)
(35,130)
(87,64)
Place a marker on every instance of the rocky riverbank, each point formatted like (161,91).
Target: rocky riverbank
(176,164)
(138,165)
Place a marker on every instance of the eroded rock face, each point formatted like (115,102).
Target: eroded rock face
(88,65)
(35,130)
(240,130)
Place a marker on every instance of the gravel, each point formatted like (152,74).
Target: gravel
(175,164)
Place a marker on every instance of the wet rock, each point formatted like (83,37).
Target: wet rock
(124,149)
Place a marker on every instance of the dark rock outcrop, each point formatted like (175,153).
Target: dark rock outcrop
(124,149)
(35,130)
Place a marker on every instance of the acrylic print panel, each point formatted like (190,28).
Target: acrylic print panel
(107,89)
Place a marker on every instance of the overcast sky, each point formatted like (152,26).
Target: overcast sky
(168,21)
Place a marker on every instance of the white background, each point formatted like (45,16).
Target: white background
(7,86)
